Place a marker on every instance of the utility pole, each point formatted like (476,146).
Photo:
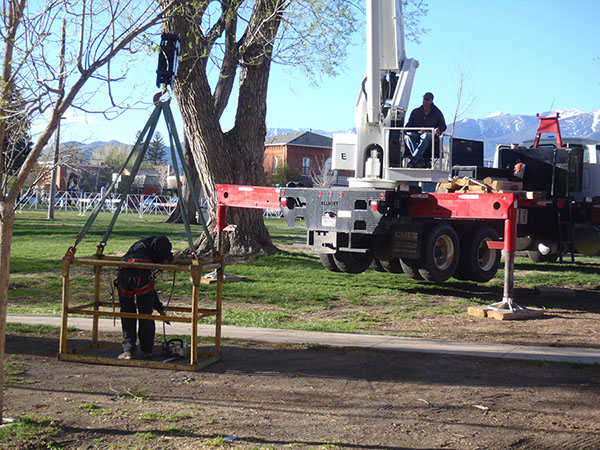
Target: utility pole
(54,175)
(61,87)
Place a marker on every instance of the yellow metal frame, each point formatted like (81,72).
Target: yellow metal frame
(194,313)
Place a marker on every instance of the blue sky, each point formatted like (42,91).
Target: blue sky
(522,57)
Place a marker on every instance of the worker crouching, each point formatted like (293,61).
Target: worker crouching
(136,289)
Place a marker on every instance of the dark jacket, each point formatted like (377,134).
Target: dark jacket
(155,249)
(435,118)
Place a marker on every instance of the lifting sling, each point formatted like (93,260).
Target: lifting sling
(139,151)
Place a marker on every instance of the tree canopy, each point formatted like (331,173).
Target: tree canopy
(229,40)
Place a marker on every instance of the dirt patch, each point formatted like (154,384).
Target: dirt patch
(261,396)
(424,312)
(567,322)
(281,396)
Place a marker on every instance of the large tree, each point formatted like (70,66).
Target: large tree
(228,40)
(51,69)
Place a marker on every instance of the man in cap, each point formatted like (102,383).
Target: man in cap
(136,288)
(427,116)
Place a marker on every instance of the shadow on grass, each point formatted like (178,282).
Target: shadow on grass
(301,269)
(583,267)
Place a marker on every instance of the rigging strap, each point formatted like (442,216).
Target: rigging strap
(139,151)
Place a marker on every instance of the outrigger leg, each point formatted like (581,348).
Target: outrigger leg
(509,247)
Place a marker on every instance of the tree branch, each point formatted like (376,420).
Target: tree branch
(15,17)
(230,60)
(60,107)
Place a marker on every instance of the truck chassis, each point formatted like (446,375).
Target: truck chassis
(431,236)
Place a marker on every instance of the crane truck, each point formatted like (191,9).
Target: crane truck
(385,220)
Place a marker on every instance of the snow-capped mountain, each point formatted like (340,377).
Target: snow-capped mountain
(501,128)
(497,128)
(280,131)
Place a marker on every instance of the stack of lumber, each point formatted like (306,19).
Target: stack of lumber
(489,184)
(503,185)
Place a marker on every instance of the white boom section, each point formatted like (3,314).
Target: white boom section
(385,51)
(392,36)
(373,82)
(377,110)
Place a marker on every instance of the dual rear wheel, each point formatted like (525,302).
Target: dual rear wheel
(439,255)
(347,262)
(443,255)
(477,261)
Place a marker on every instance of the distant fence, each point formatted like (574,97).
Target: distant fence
(85,202)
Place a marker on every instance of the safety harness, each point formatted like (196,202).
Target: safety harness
(139,289)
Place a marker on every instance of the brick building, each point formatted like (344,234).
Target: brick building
(69,177)
(304,151)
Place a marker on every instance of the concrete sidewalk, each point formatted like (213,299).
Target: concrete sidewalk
(380,342)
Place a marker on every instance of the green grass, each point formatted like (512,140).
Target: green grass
(14,370)
(154,417)
(150,416)
(22,328)
(290,289)
(581,274)
(94,409)
(138,396)
(170,430)
(39,244)
(26,428)
(216,442)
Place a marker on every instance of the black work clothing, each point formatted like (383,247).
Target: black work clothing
(155,248)
(418,143)
(145,305)
(136,289)
(432,119)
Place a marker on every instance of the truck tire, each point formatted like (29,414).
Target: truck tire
(440,253)
(328,262)
(537,257)
(477,262)
(352,262)
(392,266)
(376,265)
(411,268)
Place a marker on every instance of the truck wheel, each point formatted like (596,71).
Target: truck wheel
(439,257)
(411,268)
(376,265)
(392,266)
(477,262)
(328,262)
(352,262)
(537,257)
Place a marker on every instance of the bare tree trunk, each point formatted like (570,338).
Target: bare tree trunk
(234,157)
(7,217)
